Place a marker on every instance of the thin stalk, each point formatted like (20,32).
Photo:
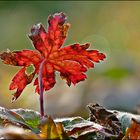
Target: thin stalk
(41,89)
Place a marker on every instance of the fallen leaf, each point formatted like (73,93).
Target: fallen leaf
(31,117)
(133,132)
(13,117)
(17,133)
(79,128)
(50,130)
(106,118)
(25,118)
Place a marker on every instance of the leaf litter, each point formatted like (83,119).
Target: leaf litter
(101,124)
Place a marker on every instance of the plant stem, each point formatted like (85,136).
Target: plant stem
(41,89)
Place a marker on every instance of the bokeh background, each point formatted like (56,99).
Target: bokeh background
(111,27)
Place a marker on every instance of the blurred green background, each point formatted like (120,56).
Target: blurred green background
(111,27)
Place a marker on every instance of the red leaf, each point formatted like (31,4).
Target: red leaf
(71,61)
(19,82)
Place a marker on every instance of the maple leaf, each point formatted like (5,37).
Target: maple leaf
(71,61)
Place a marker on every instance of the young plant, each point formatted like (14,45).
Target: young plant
(71,61)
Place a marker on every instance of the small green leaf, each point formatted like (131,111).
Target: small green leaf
(31,117)
(12,116)
(25,117)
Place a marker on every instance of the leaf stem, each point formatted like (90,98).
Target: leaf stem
(41,89)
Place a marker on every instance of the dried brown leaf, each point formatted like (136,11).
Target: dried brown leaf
(105,118)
